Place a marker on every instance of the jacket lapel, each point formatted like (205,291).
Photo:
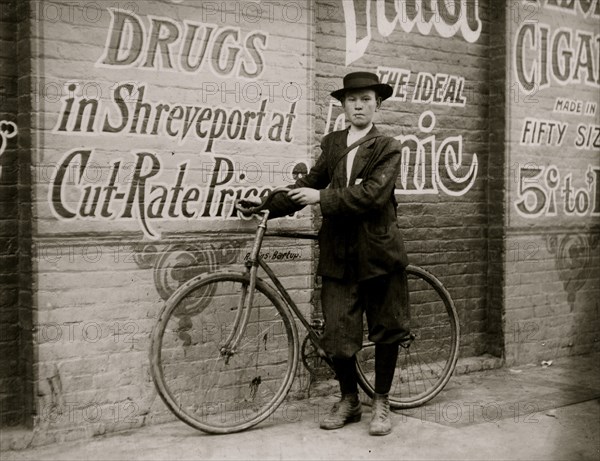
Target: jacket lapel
(362,157)
(338,148)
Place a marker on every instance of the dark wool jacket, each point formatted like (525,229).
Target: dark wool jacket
(359,229)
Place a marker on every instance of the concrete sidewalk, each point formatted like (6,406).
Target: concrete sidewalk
(527,413)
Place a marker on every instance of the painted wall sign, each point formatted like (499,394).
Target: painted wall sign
(556,61)
(8,130)
(574,259)
(446,18)
(429,165)
(131,111)
(198,126)
(563,56)
(141,193)
(543,192)
(161,43)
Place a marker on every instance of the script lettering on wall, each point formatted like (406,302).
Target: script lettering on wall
(136,190)
(197,127)
(132,112)
(446,18)
(429,165)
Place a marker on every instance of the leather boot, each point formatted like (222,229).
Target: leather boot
(381,423)
(347,410)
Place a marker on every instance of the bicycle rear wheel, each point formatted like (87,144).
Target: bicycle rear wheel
(425,363)
(206,388)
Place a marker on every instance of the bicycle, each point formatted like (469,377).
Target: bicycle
(225,349)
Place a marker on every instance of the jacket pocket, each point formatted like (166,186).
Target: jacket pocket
(377,229)
(381,253)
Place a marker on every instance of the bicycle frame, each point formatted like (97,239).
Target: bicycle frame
(419,383)
(243,312)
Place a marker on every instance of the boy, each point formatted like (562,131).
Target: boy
(362,256)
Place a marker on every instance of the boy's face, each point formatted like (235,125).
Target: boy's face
(360,107)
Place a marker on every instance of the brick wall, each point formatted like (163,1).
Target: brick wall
(93,271)
(11,380)
(551,248)
(496,182)
(444,232)
(96,295)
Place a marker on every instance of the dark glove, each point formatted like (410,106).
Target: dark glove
(246,206)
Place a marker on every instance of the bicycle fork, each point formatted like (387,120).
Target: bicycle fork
(244,307)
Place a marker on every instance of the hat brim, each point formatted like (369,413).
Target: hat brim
(383,90)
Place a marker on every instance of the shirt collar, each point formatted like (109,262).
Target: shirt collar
(360,133)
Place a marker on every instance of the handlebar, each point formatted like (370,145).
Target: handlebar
(258,208)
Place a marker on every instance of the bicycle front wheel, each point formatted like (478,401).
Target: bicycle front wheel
(426,362)
(211,389)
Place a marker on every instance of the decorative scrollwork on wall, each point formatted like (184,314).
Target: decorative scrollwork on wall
(573,257)
(7,130)
(177,263)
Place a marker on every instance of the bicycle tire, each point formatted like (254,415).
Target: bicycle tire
(209,391)
(433,320)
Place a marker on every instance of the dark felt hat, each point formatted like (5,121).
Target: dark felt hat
(363,81)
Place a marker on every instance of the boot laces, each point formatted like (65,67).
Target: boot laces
(381,409)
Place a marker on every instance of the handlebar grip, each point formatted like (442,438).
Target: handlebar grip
(265,204)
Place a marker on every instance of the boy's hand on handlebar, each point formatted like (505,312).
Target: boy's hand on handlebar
(246,205)
(251,205)
(304,196)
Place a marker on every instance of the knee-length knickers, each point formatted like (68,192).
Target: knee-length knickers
(385,301)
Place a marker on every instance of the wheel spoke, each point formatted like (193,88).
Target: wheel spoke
(426,363)
(212,389)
